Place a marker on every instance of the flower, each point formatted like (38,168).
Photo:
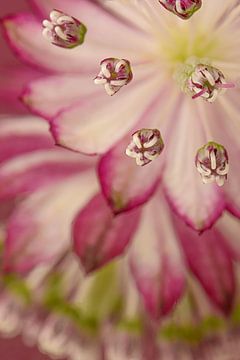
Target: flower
(53,305)
(182,8)
(207,82)
(49,193)
(146,146)
(212,163)
(114,74)
(63,30)
(161,50)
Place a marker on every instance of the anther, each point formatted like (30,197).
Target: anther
(146,146)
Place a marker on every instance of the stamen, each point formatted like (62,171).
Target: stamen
(199,94)
(114,74)
(226,86)
(207,82)
(212,163)
(182,8)
(63,30)
(146,146)
(213,160)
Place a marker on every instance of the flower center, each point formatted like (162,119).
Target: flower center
(182,43)
(188,55)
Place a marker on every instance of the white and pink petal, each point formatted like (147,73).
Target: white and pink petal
(198,204)
(108,36)
(96,123)
(210,260)
(99,236)
(21,135)
(124,184)
(28,172)
(156,260)
(39,229)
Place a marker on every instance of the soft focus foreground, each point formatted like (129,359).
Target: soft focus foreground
(187,283)
(87,272)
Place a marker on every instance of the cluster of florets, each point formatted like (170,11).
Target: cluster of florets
(199,80)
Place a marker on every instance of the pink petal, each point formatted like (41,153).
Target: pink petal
(99,237)
(199,205)
(39,230)
(13,5)
(104,27)
(13,78)
(229,226)
(38,169)
(126,185)
(156,260)
(24,33)
(20,135)
(13,74)
(225,130)
(96,122)
(51,95)
(209,259)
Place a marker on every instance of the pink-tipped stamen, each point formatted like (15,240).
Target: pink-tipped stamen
(226,86)
(199,94)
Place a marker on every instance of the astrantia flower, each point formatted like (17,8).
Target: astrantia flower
(46,194)
(49,193)
(160,49)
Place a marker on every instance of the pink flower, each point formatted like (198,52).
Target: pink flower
(163,52)
(47,194)
(44,191)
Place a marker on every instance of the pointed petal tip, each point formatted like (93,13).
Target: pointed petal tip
(10,24)
(124,193)
(201,226)
(100,236)
(53,128)
(25,99)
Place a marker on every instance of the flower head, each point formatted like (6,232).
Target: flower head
(48,193)
(146,146)
(64,30)
(160,49)
(207,82)
(212,163)
(182,8)
(114,74)
(58,195)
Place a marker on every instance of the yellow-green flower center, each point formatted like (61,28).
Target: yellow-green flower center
(182,41)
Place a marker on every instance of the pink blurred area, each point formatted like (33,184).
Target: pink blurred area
(12,6)
(8,7)
(14,349)
(11,349)
(13,74)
